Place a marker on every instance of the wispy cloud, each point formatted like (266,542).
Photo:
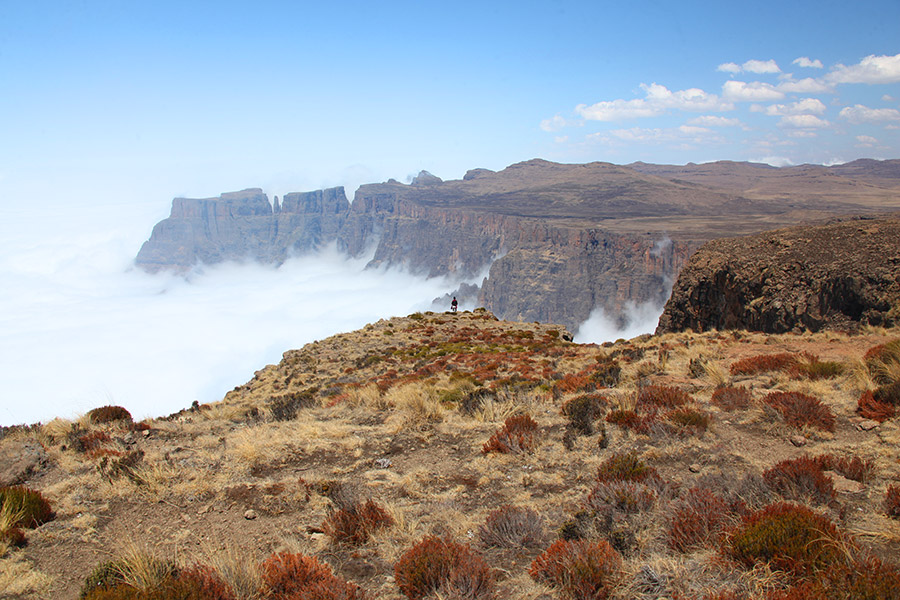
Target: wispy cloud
(805,106)
(872,69)
(754,91)
(863,114)
(658,100)
(751,66)
(806,63)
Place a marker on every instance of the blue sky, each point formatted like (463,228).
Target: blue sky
(109,109)
(143,100)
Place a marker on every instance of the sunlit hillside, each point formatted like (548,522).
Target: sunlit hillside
(458,456)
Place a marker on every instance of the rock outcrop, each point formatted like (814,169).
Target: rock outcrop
(835,275)
(560,240)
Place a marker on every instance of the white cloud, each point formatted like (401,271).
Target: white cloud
(803,122)
(685,135)
(751,66)
(866,141)
(801,107)
(888,98)
(807,85)
(863,114)
(775,161)
(553,124)
(657,101)
(761,66)
(805,62)
(802,133)
(871,69)
(714,121)
(755,91)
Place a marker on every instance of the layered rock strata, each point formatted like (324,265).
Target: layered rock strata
(837,275)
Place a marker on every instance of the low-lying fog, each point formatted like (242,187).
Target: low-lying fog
(81,328)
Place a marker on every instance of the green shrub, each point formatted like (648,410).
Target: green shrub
(435,565)
(800,479)
(883,362)
(788,537)
(33,508)
(108,414)
(355,523)
(607,373)
(579,569)
(813,368)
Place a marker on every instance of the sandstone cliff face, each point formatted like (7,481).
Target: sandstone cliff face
(829,276)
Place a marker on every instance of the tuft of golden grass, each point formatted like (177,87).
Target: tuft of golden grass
(238,569)
(19,578)
(141,568)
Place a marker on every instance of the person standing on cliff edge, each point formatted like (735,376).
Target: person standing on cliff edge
(453,305)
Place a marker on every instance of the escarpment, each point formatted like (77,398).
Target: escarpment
(555,241)
(836,275)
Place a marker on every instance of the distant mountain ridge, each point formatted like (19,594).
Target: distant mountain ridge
(560,239)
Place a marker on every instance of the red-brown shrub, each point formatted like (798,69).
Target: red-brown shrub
(800,409)
(800,479)
(579,569)
(289,576)
(892,501)
(355,523)
(91,441)
(869,579)
(870,408)
(626,496)
(625,467)
(731,398)
(789,538)
(762,363)
(583,410)
(436,564)
(688,420)
(512,527)
(698,518)
(516,436)
(108,414)
(855,468)
(662,396)
(207,582)
(629,419)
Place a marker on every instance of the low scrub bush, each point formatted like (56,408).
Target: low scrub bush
(892,501)
(870,408)
(688,420)
(800,479)
(607,373)
(626,496)
(870,579)
(518,435)
(662,396)
(763,363)
(625,467)
(630,419)
(799,409)
(108,414)
(438,565)
(30,506)
(582,411)
(512,527)
(789,538)
(855,468)
(579,569)
(698,518)
(354,524)
(883,362)
(812,368)
(731,398)
(888,393)
(290,576)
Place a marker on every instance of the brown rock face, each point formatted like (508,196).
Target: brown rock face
(828,276)
(560,240)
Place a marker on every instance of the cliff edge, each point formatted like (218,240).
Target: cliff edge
(835,275)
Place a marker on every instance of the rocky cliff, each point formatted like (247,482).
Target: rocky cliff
(835,275)
(560,240)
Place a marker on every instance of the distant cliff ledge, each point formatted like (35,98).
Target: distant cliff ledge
(837,275)
(560,240)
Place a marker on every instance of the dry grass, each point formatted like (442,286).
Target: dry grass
(19,578)
(237,568)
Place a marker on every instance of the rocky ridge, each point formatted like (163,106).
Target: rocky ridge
(560,240)
(837,275)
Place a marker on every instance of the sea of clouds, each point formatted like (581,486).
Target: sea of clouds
(80,327)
